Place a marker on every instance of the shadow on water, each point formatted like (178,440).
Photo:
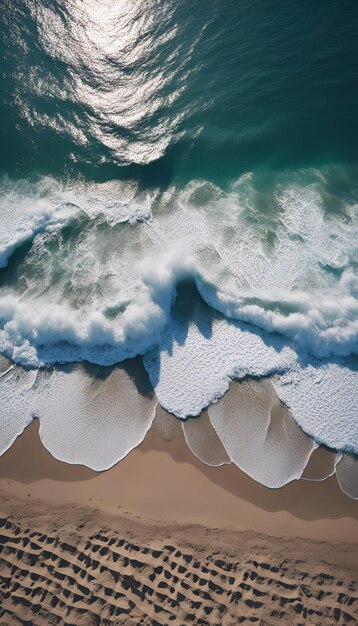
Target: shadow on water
(134,368)
(190,309)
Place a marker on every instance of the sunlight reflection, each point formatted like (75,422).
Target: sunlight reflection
(125,70)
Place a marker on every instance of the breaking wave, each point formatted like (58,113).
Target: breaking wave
(103,262)
(206,285)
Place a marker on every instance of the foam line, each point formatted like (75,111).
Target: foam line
(347,475)
(204,442)
(323,399)
(259,434)
(94,418)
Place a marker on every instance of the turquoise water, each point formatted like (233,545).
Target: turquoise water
(104,89)
(178,180)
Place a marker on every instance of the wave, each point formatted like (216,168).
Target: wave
(36,333)
(31,208)
(325,327)
(207,285)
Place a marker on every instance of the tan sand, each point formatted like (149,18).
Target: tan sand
(162,480)
(79,566)
(205,562)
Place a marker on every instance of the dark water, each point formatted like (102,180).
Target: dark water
(177,90)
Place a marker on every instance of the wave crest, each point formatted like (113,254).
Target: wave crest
(192,279)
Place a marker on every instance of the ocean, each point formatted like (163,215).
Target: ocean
(179,198)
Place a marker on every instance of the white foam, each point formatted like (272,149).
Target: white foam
(305,244)
(38,333)
(259,434)
(28,209)
(103,289)
(325,326)
(72,291)
(195,362)
(94,420)
(323,399)
(23,217)
(16,401)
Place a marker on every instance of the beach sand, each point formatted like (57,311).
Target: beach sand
(162,538)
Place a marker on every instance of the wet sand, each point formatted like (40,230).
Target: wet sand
(161,538)
(163,480)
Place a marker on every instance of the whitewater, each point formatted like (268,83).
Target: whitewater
(190,281)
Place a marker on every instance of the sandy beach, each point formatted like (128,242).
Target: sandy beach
(128,546)
(163,480)
(178,313)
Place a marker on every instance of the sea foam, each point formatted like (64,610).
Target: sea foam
(196,283)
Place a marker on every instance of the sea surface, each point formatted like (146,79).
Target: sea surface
(179,189)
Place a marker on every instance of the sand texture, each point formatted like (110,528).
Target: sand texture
(162,538)
(163,480)
(77,566)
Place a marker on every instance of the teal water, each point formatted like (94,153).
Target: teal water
(212,91)
(172,169)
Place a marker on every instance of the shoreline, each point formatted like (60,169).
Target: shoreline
(161,538)
(162,480)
